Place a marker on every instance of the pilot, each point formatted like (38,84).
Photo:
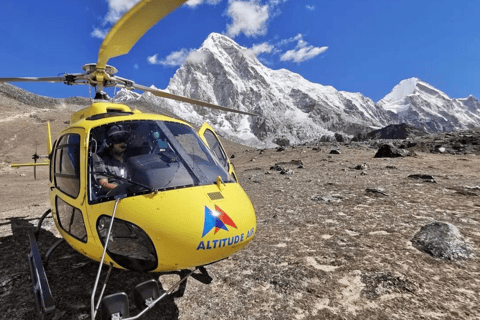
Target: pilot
(112,159)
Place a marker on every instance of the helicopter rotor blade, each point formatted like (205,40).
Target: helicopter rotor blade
(167,95)
(132,26)
(33,79)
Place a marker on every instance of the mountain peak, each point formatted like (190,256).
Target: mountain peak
(216,36)
(402,89)
(215,40)
(411,86)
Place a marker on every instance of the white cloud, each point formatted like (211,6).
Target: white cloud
(248,17)
(194,3)
(177,58)
(301,54)
(311,8)
(135,66)
(275,2)
(196,57)
(286,41)
(116,9)
(260,48)
(301,44)
(153,59)
(99,33)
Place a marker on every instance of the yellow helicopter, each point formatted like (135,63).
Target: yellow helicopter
(136,191)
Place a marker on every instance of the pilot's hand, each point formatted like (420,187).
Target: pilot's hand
(107,186)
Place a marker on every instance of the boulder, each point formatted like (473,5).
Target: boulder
(396,131)
(441,240)
(282,142)
(423,177)
(387,150)
(326,138)
(340,137)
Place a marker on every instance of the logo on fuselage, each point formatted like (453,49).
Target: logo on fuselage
(216,219)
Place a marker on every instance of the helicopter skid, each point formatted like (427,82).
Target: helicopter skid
(41,289)
(147,295)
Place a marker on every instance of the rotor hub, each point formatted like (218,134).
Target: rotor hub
(92,67)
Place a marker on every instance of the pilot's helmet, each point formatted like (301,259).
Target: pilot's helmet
(117,134)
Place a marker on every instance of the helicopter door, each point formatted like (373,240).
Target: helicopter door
(211,139)
(67,189)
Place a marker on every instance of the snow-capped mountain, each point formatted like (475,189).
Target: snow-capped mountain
(416,102)
(291,107)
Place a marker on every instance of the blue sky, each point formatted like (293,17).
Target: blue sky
(363,46)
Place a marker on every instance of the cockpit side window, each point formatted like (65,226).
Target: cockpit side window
(66,166)
(216,148)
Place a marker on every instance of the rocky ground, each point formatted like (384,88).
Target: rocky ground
(333,239)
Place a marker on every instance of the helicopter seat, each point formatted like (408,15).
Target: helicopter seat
(160,146)
(140,142)
(140,149)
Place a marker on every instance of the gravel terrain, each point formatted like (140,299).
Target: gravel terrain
(333,239)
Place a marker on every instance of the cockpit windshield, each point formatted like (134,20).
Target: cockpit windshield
(136,157)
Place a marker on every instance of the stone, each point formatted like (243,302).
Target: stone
(388,151)
(277,167)
(282,142)
(423,177)
(396,131)
(376,191)
(361,167)
(340,137)
(326,138)
(326,198)
(441,240)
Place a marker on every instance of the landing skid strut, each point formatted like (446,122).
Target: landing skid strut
(112,307)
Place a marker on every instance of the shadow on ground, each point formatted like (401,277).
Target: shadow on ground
(71,277)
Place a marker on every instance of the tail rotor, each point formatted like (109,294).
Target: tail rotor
(35,157)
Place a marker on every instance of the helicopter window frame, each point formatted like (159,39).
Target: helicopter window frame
(171,131)
(75,217)
(61,166)
(216,148)
(51,158)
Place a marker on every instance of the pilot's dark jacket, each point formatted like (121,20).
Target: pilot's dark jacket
(105,163)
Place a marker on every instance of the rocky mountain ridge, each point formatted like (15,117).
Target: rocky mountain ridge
(417,103)
(291,107)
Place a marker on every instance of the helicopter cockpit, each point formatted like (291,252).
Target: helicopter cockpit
(159,155)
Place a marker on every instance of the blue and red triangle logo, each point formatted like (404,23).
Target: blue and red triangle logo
(216,219)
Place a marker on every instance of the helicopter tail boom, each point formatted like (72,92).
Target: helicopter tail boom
(18,165)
